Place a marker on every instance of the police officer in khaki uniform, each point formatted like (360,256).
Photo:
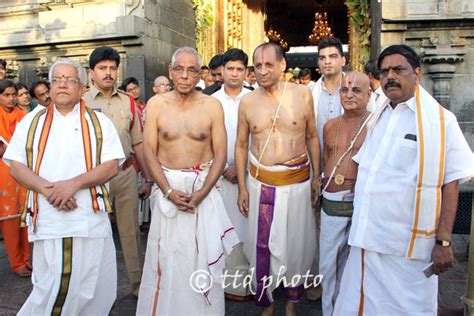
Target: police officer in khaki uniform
(116,105)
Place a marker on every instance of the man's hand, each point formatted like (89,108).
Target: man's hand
(442,258)
(318,220)
(61,194)
(315,191)
(243,202)
(196,199)
(181,200)
(144,191)
(230,174)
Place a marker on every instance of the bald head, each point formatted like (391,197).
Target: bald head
(161,85)
(355,91)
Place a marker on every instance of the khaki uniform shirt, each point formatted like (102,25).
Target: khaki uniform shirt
(117,108)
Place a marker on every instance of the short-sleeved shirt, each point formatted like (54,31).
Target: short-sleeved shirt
(64,159)
(117,108)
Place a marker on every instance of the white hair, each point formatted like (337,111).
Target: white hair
(159,79)
(81,72)
(186,49)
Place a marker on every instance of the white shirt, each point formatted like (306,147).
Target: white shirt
(64,159)
(201,84)
(329,107)
(254,86)
(377,99)
(386,180)
(231,111)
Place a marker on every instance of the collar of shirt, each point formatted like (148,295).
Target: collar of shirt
(229,98)
(410,103)
(95,92)
(74,111)
(323,85)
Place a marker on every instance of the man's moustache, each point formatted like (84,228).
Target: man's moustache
(391,84)
(109,78)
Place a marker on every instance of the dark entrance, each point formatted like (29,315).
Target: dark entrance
(294,19)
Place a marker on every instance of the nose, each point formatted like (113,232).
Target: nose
(391,73)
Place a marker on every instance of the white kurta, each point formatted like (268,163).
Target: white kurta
(388,167)
(182,243)
(64,159)
(384,209)
(91,285)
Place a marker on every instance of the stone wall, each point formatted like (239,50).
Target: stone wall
(442,33)
(33,34)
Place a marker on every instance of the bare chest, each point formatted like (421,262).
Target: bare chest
(175,125)
(340,138)
(290,118)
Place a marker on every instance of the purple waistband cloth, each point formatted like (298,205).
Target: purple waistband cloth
(265,218)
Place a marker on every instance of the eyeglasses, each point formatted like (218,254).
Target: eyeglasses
(163,85)
(68,80)
(194,73)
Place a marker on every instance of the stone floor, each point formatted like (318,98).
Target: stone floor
(14,290)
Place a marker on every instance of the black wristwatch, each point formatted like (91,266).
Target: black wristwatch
(149,182)
(443,243)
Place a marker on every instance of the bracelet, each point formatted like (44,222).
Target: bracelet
(149,181)
(167,194)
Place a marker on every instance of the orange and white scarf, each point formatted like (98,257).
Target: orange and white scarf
(431,144)
(92,140)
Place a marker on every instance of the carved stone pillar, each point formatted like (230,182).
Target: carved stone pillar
(442,68)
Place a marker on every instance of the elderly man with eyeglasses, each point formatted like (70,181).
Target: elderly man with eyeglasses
(190,233)
(161,85)
(65,155)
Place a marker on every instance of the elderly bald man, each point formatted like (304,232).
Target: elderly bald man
(161,85)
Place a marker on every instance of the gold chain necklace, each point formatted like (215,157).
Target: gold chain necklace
(340,178)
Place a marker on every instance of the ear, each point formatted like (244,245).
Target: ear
(83,90)
(90,72)
(343,60)
(170,70)
(283,64)
(417,73)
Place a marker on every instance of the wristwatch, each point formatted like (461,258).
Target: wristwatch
(149,181)
(443,243)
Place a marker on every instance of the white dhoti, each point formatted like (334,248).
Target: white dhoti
(281,233)
(333,246)
(185,253)
(380,284)
(236,264)
(72,276)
